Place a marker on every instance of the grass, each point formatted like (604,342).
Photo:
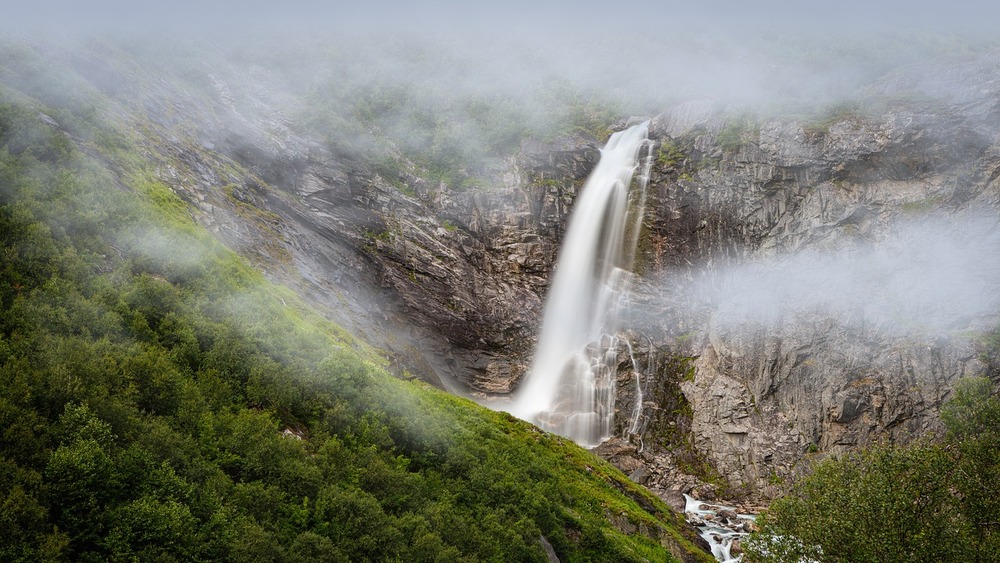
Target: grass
(669,155)
(819,125)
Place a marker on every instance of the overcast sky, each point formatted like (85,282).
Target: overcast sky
(444,15)
(770,55)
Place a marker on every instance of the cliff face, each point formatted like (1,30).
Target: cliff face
(450,282)
(464,273)
(459,276)
(729,191)
(766,394)
(447,281)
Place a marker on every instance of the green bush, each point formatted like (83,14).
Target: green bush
(923,502)
(736,131)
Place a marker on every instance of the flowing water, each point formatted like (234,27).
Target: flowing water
(570,389)
(718,531)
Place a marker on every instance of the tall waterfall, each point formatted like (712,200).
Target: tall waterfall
(570,389)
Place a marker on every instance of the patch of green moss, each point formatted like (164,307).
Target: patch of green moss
(164,199)
(669,155)
(736,131)
(819,125)
(924,205)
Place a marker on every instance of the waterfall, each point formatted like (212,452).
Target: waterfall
(570,388)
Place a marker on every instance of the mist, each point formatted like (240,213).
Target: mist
(535,67)
(934,276)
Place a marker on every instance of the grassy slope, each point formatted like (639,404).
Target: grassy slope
(148,375)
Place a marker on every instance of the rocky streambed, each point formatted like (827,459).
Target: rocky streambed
(721,526)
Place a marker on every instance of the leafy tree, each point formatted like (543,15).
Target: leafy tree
(149,529)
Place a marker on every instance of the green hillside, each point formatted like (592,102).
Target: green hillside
(161,401)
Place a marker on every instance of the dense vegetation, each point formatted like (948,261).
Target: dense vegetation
(923,502)
(160,401)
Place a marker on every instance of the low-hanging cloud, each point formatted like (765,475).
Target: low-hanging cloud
(933,276)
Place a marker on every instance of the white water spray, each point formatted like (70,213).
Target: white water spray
(570,389)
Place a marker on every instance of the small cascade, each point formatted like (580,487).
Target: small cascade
(570,388)
(635,422)
(719,525)
(638,420)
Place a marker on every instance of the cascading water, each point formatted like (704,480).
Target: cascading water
(719,525)
(635,421)
(570,389)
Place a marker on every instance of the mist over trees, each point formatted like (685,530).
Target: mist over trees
(161,400)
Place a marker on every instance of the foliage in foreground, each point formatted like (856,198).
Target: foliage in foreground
(159,402)
(925,502)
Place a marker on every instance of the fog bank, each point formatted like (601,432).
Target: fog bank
(928,276)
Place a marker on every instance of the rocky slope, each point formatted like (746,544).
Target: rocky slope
(451,281)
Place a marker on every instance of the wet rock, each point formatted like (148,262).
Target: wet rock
(641,475)
(736,548)
(674,499)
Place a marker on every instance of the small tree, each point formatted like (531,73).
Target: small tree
(884,503)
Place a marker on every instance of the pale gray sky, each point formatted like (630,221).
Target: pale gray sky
(647,54)
(782,16)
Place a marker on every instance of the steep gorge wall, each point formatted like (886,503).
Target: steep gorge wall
(764,397)
(450,282)
(730,190)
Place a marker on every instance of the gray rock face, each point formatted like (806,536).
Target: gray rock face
(458,274)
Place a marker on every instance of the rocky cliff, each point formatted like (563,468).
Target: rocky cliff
(766,394)
(754,400)
(450,280)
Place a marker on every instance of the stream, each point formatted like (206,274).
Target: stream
(720,525)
